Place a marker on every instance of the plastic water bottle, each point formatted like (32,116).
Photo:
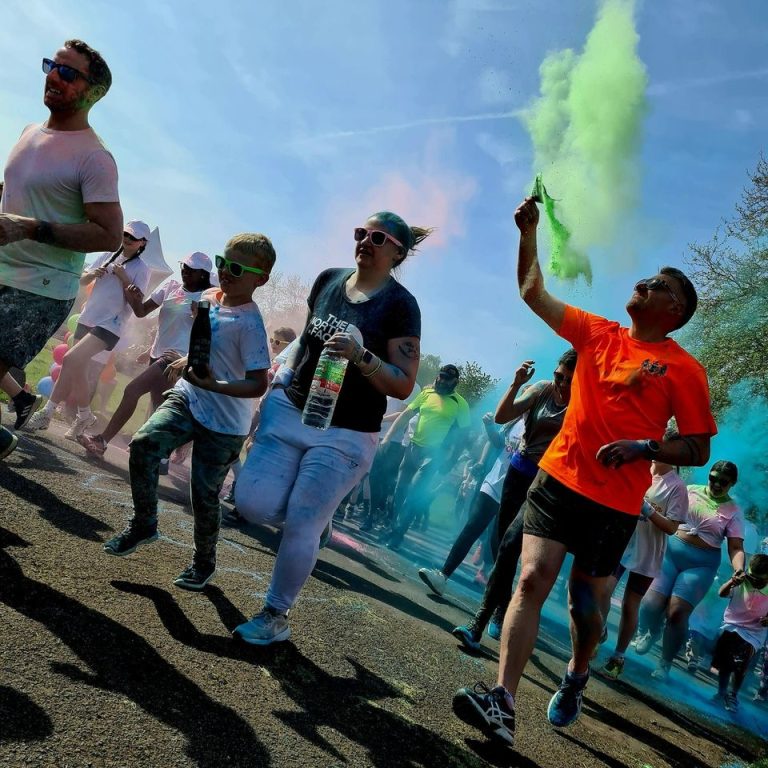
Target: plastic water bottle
(200,340)
(326,385)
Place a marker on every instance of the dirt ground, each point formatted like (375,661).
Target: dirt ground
(104,663)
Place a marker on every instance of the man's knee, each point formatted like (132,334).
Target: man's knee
(535,582)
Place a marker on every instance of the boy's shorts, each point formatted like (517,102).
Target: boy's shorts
(732,652)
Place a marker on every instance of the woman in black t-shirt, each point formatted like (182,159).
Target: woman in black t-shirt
(295,476)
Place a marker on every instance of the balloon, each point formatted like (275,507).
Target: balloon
(45,386)
(55,371)
(58,353)
(72,322)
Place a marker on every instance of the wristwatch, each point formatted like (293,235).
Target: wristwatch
(651,449)
(365,358)
(44,233)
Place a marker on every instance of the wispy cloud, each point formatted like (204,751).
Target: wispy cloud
(674,86)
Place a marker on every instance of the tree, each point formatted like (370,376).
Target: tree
(729,330)
(429,365)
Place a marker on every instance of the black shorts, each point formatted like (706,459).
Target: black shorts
(594,534)
(109,338)
(732,653)
(636,582)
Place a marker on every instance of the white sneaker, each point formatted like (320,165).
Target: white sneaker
(434,579)
(40,420)
(266,627)
(79,425)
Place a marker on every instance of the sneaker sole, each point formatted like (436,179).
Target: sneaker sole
(10,448)
(193,587)
(35,407)
(425,578)
(278,638)
(471,713)
(138,544)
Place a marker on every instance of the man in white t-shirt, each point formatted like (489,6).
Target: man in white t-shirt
(59,202)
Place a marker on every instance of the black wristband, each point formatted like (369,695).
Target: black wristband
(651,449)
(44,233)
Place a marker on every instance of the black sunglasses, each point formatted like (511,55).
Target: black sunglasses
(655,284)
(131,237)
(66,73)
(721,480)
(561,378)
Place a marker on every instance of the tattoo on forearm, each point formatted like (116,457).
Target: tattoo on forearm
(410,350)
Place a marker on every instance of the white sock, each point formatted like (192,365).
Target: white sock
(49,408)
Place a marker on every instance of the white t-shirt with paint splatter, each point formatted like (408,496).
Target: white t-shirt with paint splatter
(238,344)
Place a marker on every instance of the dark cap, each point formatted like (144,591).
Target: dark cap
(451,370)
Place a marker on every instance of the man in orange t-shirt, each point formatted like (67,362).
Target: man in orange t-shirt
(587,497)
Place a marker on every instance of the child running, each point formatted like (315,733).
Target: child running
(214,412)
(744,630)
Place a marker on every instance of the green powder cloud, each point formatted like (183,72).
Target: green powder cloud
(586,128)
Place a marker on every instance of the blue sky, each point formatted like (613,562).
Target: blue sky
(299,119)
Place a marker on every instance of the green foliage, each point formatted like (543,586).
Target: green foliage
(729,331)
(474,383)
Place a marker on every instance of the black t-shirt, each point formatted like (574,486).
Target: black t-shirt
(392,313)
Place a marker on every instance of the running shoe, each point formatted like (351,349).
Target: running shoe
(761,694)
(614,667)
(731,702)
(195,576)
(130,539)
(8,442)
(468,636)
(661,673)
(565,706)
(94,444)
(495,625)
(434,579)
(230,497)
(29,405)
(79,425)
(38,421)
(645,642)
(266,627)
(487,710)
(692,664)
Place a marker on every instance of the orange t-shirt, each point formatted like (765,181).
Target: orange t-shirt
(623,389)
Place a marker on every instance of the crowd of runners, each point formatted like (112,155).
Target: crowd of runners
(584,465)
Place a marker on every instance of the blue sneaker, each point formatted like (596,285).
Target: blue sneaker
(565,706)
(469,638)
(495,625)
(266,627)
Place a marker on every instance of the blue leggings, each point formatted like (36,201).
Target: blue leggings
(687,571)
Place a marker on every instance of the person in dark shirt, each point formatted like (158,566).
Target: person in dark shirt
(296,475)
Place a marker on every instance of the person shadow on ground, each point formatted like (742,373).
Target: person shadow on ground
(344,704)
(122,662)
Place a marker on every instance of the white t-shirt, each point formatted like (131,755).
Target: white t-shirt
(175,319)
(50,175)
(107,307)
(494,480)
(646,548)
(238,344)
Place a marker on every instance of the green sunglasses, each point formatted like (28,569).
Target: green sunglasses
(235,268)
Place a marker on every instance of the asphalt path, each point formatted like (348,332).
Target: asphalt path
(103,662)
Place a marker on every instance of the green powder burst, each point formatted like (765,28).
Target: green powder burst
(586,128)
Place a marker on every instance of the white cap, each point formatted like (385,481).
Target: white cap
(138,229)
(197,260)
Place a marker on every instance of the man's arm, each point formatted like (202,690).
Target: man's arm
(101,232)
(405,415)
(684,451)
(529,276)
(511,406)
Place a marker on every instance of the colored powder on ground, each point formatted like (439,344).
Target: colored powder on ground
(585,127)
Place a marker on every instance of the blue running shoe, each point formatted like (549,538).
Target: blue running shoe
(467,637)
(565,706)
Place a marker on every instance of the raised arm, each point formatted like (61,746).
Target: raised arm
(529,275)
(511,406)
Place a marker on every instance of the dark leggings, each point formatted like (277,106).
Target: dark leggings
(483,513)
(498,590)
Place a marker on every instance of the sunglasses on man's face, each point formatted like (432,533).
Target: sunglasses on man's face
(656,284)
(561,378)
(720,480)
(66,73)
(377,237)
(235,268)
